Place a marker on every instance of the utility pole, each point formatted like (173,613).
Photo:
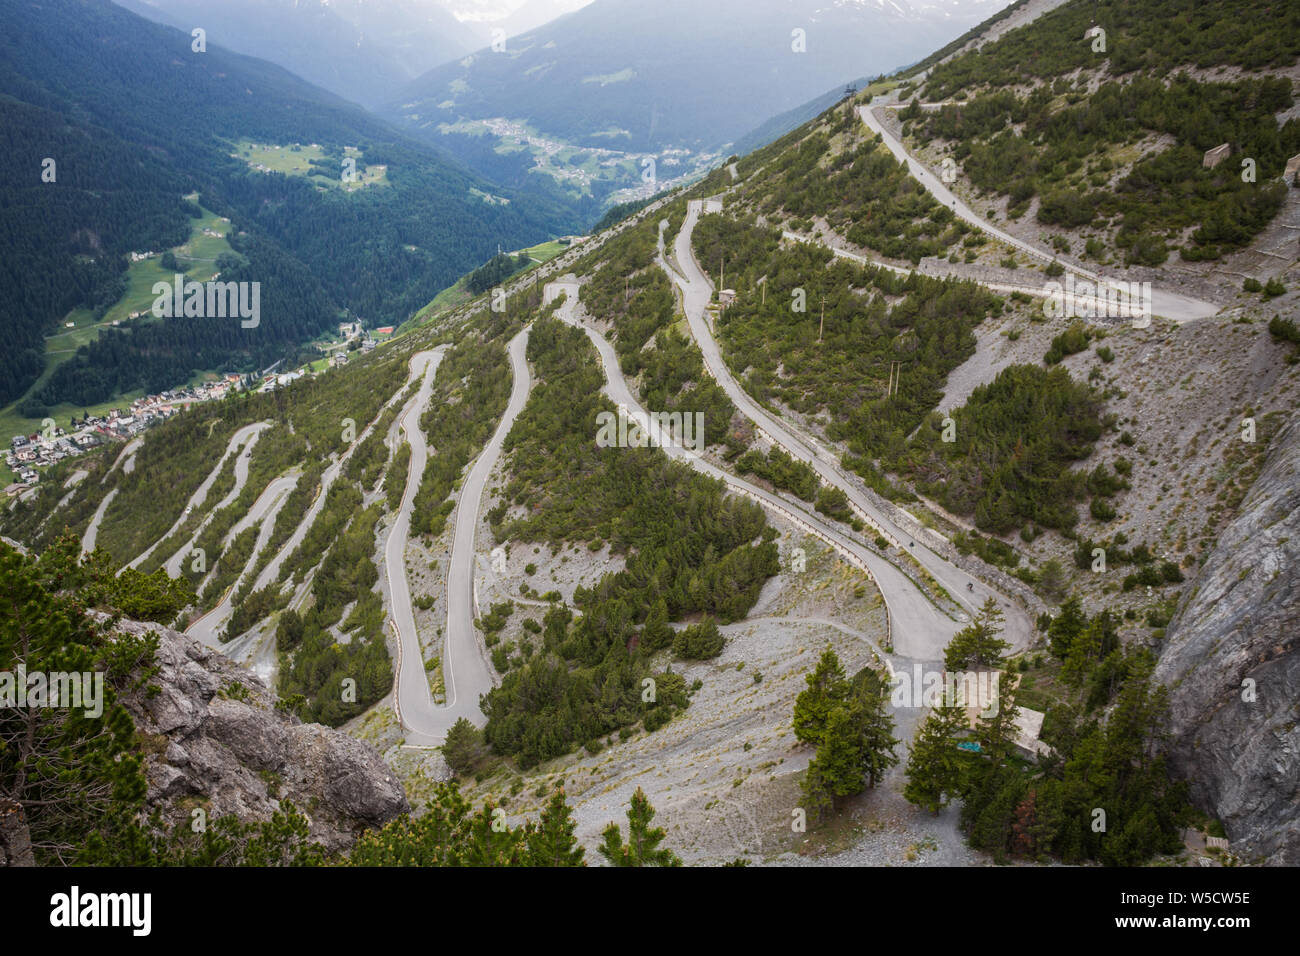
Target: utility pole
(895,378)
(821,328)
(722,273)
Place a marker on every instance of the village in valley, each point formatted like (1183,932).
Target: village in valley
(54,443)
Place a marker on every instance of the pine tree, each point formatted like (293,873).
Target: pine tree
(817,797)
(978,644)
(642,846)
(875,731)
(462,747)
(657,634)
(699,642)
(935,769)
(855,746)
(839,755)
(1084,653)
(997,732)
(69,782)
(1065,627)
(553,842)
(827,687)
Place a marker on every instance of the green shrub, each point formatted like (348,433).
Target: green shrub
(699,641)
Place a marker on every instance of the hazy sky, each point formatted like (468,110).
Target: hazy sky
(537,12)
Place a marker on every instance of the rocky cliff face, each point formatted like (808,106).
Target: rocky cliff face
(1231,659)
(216,740)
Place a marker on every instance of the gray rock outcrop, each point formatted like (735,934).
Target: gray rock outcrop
(215,739)
(1231,658)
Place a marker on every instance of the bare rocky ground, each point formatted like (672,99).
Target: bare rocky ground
(724,775)
(1182,394)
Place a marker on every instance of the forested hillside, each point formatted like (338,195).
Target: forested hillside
(688,548)
(1096,118)
(134,118)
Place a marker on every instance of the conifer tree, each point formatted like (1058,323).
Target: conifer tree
(934,767)
(1085,652)
(553,842)
(827,687)
(642,846)
(996,732)
(856,743)
(1065,627)
(978,644)
(657,634)
(874,728)
(462,747)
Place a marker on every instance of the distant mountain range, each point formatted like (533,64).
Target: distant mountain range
(360,49)
(363,50)
(673,79)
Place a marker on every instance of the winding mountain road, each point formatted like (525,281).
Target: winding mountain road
(918,628)
(264,512)
(92,530)
(1169,305)
(697,289)
(174,563)
(247,437)
(126,454)
(209,626)
(412,700)
(467,673)
(1094,302)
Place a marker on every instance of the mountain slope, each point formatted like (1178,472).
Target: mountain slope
(107,94)
(361,50)
(637,78)
(1181,515)
(1093,126)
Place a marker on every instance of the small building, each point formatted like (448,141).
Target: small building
(1215,156)
(726,297)
(1029,724)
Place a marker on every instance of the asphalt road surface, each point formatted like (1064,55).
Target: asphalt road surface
(246,436)
(696,291)
(1170,305)
(467,673)
(919,629)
